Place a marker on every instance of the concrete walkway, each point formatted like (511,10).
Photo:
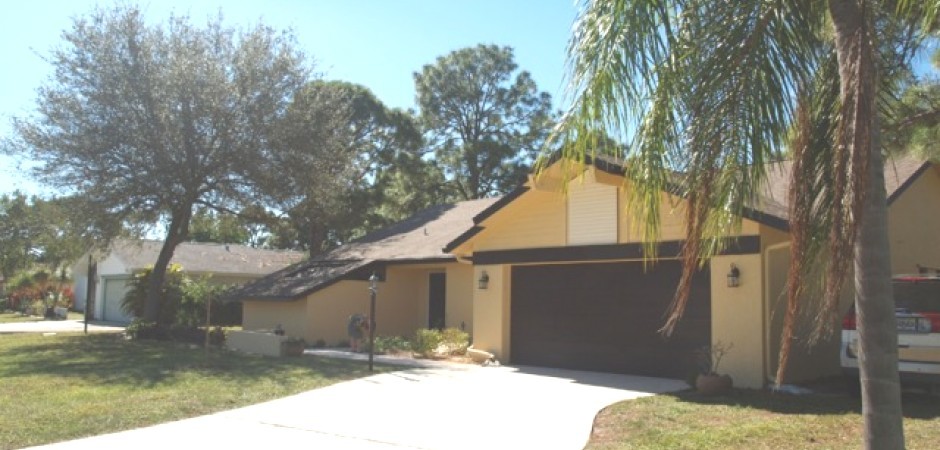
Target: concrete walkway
(447,407)
(59,326)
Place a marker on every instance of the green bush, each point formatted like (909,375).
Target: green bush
(456,340)
(437,343)
(427,341)
(172,293)
(184,300)
(192,309)
(37,308)
(141,329)
(390,344)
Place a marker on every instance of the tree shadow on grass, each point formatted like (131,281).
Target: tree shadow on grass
(915,405)
(108,358)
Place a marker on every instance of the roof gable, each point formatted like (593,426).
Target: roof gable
(769,208)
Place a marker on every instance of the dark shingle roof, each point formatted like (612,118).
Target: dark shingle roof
(772,205)
(421,237)
(219,259)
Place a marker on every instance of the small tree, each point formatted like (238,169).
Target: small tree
(485,121)
(170,294)
(144,122)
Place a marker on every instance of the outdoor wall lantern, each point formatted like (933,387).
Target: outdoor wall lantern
(734,276)
(484,281)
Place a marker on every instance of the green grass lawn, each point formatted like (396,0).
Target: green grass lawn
(753,420)
(55,388)
(11,317)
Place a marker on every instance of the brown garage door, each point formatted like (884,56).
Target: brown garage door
(605,317)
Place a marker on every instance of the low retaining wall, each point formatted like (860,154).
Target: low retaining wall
(258,342)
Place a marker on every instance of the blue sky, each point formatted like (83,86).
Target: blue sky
(377,43)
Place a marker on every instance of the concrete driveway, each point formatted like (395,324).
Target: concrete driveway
(58,326)
(453,407)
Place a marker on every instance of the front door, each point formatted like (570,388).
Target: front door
(436,300)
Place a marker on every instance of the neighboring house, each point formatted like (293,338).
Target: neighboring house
(223,263)
(566,285)
(421,285)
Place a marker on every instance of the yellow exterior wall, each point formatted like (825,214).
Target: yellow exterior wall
(328,310)
(807,360)
(491,312)
(738,318)
(535,219)
(396,306)
(266,315)
(401,305)
(914,225)
(460,287)
(672,221)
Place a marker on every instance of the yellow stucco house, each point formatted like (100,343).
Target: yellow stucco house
(542,277)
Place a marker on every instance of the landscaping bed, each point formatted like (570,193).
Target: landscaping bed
(62,387)
(751,419)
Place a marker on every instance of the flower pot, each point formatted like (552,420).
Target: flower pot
(713,384)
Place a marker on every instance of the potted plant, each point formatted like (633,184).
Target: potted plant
(293,346)
(709,381)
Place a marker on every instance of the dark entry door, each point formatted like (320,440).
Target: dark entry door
(437,298)
(605,317)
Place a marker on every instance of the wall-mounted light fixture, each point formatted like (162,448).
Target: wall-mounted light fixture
(734,276)
(484,281)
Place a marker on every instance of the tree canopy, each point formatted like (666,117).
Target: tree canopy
(484,119)
(335,142)
(34,231)
(146,121)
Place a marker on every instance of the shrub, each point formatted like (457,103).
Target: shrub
(184,300)
(436,343)
(136,297)
(456,340)
(427,341)
(142,329)
(390,344)
(37,308)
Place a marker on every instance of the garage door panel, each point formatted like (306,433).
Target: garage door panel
(606,317)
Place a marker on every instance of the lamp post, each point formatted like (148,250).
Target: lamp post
(372,289)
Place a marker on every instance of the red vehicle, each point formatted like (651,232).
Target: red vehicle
(917,301)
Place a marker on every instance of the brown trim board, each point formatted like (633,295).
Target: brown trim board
(610,252)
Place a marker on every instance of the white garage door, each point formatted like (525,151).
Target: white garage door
(114,290)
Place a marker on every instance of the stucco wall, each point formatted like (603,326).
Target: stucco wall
(914,225)
(491,311)
(808,360)
(401,304)
(265,315)
(460,287)
(738,318)
(535,219)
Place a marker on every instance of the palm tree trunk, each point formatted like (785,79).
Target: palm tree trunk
(877,328)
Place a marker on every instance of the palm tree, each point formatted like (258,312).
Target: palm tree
(713,90)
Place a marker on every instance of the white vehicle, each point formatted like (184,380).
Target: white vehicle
(917,299)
